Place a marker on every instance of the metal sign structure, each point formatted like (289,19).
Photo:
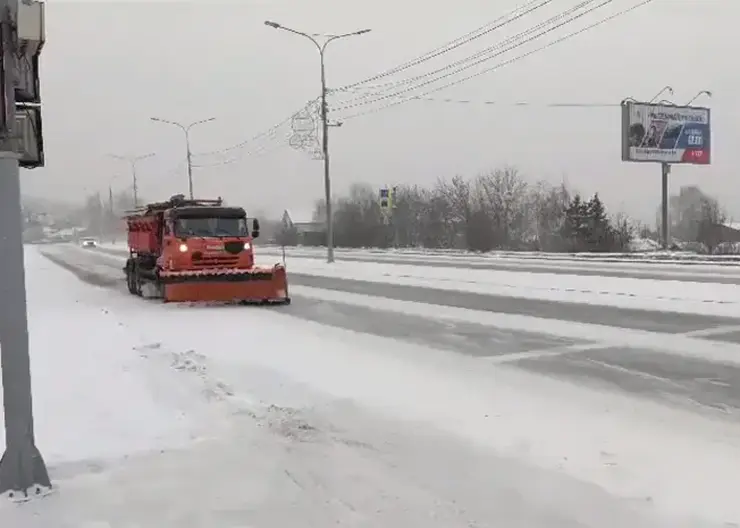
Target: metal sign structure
(661,133)
(668,134)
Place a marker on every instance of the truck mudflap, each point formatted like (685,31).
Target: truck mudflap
(256,285)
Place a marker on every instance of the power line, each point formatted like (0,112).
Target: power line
(482,31)
(261,150)
(518,103)
(505,63)
(486,55)
(270,132)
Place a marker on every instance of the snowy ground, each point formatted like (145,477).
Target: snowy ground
(353,410)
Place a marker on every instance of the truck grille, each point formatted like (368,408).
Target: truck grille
(214,261)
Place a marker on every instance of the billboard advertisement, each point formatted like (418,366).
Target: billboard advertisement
(666,133)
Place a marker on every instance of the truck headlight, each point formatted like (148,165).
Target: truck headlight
(247,246)
(183,248)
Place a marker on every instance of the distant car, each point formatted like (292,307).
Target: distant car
(89,243)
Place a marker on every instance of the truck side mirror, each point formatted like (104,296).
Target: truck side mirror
(255,228)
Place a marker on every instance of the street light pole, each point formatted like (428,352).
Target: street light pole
(133,160)
(186,131)
(321,47)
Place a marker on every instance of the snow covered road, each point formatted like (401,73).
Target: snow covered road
(667,356)
(722,270)
(380,408)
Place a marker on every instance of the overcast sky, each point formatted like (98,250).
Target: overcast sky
(108,67)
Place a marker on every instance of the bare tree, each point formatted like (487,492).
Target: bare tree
(501,196)
(452,206)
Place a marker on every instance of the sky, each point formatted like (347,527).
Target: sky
(108,67)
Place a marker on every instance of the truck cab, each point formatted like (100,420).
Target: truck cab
(211,236)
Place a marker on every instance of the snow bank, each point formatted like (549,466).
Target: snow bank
(92,392)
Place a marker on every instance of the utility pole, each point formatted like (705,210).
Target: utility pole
(22,468)
(321,47)
(189,152)
(133,160)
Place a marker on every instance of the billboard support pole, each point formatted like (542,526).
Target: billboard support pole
(664,225)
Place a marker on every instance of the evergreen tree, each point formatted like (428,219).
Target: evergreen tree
(575,227)
(598,237)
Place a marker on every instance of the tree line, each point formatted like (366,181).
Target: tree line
(499,209)
(503,210)
(496,210)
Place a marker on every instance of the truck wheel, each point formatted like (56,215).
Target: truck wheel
(130,280)
(137,281)
(133,280)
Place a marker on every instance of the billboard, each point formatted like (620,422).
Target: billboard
(666,133)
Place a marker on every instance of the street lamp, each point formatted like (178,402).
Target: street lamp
(324,124)
(133,160)
(186,130)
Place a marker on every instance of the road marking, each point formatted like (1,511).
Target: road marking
(547,352)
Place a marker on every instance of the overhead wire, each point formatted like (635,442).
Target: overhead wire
(266,134)
(261,150)
(488,52)
(559,40)
(498,23)
(518,103)
(520,39)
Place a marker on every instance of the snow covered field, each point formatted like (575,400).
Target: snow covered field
(167,415)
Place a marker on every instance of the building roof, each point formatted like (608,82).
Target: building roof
(299,216)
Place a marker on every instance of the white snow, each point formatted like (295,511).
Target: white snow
(657,459)
(91,395)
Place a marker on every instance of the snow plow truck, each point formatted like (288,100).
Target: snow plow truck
(198,251)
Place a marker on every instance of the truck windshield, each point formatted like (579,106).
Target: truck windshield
(211,227)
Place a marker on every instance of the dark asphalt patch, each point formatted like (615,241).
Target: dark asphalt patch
(648,373)
(90,277)
(652,321)
(466,338)
(726,337)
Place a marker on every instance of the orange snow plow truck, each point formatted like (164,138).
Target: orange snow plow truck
(198,250)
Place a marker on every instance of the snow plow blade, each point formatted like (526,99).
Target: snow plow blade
(257,285)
